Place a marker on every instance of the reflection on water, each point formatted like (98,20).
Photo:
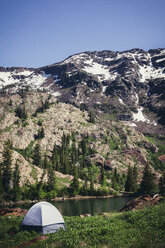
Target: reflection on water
(91,206)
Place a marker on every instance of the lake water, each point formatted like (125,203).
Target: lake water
(91,206)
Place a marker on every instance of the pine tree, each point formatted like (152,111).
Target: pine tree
(37,155)
(135,178)
(147,184)
(58,163)
(114,183)
(83,146)
(1,188)
(74,187)
(21,112)
(6,167)
(16,180)
(91,117)
(84,189)
(64,141)
(162,184)
(51,184)
(45,164)
(42,133)
(103,179)
(129,180)
(91,187)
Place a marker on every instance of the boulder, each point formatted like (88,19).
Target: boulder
(141,202)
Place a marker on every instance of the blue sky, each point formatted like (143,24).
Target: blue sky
(35,33)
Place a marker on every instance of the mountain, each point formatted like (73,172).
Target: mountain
(127,86)
(94,110)
(107,143)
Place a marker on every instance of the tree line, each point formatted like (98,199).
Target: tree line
(71,158)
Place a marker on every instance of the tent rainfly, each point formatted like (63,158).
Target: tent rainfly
(44,218)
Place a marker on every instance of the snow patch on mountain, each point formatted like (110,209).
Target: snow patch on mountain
(97,69)
(104,89)
(160,60)
(148,72)
(24,78)
(121,101)
(56,93)
(139,115)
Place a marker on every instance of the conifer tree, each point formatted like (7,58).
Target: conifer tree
(91,187)
(129,180)
(42,133)
(91,117)
(16,180)
(162,184)
(114,182)
(85,187)
(58,163)
(45,164)
(147,184)
(1,188)
(51,184)
(135,178)
(21,112)
(37,155)
(103,179)
(6,167)
(74,187)
(83,146)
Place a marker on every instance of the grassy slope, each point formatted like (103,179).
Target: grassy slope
(144,228)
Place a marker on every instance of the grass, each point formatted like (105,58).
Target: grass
(6,129)
(138,229)
(62,181)
(85,124)
(160,143)
(33,173)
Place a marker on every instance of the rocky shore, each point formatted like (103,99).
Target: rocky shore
(138,203)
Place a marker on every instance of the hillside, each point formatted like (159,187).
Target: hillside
(108,143)
(140,228)
(126,86)
(97,112)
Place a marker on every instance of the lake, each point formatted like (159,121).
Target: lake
(91,206)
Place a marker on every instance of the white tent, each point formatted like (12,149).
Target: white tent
(44,218)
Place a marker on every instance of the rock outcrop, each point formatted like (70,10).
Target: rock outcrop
(141,202)
(127,86)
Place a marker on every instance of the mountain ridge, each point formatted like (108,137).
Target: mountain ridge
(126,86)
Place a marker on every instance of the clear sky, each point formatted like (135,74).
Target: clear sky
(34,33)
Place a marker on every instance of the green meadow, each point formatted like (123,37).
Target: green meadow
(135,229)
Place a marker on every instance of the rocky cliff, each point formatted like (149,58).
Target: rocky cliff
(124,92)
(126,86)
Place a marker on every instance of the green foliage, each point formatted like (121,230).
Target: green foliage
(74,186)
(91,117)
(147,183)
(144,228)
(44,105)
(113,143)
(162,184)
(51,184)
(37,155)
(40,134)
(6,166)
(16,180)
(21,112)
(131,181)
(159,141)
(83,107)
(103,177)
(33,173)
(25,123)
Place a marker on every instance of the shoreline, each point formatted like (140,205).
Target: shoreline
(61,199)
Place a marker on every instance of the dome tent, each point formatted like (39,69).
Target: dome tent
(44,218)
